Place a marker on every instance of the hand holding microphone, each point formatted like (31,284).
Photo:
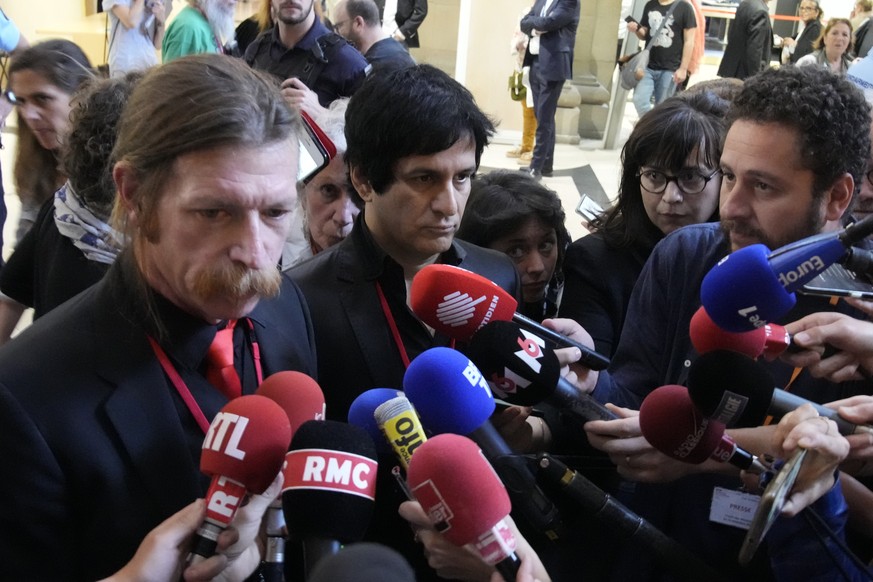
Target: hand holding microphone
(243,451)
(853,338)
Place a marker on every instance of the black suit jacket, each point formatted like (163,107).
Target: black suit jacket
(409,16)
(805,40)
(357,351)
(558,40)
(750,41)
(93,443)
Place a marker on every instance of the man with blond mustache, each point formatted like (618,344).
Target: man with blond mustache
(104,403)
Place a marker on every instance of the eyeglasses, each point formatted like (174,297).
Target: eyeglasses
(688,181)
(338,25)
(808,8)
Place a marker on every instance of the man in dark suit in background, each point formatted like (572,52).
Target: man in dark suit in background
(750,41)
(104,402)
(551,24)
(401,19)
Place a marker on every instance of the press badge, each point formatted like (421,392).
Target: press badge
(732,507)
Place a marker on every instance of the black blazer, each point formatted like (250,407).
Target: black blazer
(409,16)
(805,40)
(558,40)
(357,351)
(750,41)
(92,441)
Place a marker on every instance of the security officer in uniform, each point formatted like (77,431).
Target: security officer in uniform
(316,65)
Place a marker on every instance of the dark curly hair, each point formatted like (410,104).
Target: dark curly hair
(93,125)
(828,111)
(664,137)
(501,202)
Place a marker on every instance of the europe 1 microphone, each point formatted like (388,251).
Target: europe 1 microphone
(753,286)
(739,392)
(456,303)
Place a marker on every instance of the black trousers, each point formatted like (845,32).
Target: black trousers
(545,95)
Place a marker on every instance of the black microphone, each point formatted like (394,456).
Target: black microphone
(523,370)
(330,487)
(364,562)
(740,392)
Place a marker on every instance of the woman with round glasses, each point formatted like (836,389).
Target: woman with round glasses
(669,179)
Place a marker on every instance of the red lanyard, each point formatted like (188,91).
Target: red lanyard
(392,325)
(182,388)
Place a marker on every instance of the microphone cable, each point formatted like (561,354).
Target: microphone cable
(822,531)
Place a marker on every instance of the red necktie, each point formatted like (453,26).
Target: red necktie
(219,363)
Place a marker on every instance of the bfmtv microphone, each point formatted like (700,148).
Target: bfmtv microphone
(464,499)
(451,396)
(673,424)
(753,286)
(739,392)
(330,487)
(457,303)
(402,428)
(523,370)
(302,400)
(242,452)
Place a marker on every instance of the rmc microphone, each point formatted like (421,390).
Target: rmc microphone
(523,370)
(464,499)
(451,396)
(457,303)
(242,452)
(302,400)
(330,487)
(753,286)
(739,392)
(671,422)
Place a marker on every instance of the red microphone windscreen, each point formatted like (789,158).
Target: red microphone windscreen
(246,442)
(706,337)
(457,487)
(456,302)
(299,396)
(673,425)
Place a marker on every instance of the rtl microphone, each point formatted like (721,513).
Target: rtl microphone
(302,400)
(523,370)
(464,499)
(242,452)
(739,392)
(671,422)
(451,396)
(330,487)
(753,286)
(362,413)
(402,428)
(457,303)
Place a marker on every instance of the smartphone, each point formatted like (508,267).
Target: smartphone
(630,19)
(316,149)
(837,281)
(770,507)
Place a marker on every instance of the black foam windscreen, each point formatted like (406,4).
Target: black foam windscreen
(731,387)
(518,365)
(330,480)
(364,562)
